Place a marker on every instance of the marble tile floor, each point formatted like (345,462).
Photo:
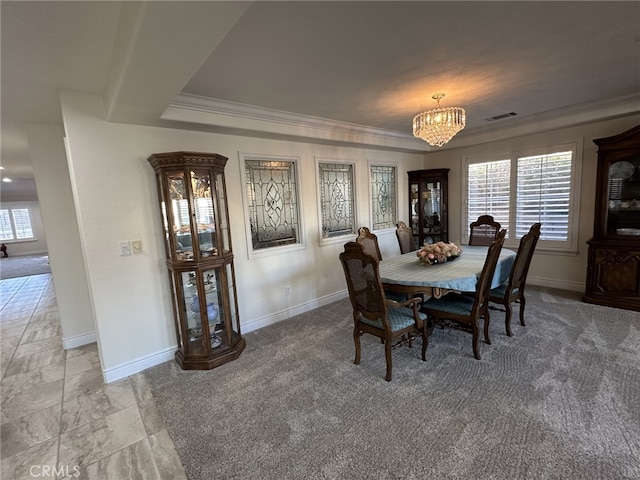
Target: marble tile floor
(58,417)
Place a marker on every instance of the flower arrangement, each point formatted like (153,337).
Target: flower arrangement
(439,252)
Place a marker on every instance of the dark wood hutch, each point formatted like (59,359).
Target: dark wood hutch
(428,210)
(613,269)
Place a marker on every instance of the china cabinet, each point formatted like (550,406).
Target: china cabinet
(428,205)
(195,226)
(613,269)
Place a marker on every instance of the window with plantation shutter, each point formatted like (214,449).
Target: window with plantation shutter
(22,222)
(5,225)
(15,224)
(543,194)
(489,185)
(538,185)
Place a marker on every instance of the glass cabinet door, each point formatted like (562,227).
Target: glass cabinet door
(176,216)
(200,312)
(428,205)
(414,211)
(223,221)
(623,207)
(432,212)
(204,213)
(206,311)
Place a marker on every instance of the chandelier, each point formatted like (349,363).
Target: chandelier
(439,125)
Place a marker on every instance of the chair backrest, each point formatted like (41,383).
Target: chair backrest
(483,231)
(363,281)
(520,268)
(369,242)
(405,238)
(486,276)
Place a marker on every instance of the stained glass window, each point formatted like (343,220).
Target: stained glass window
(272,199)
(336,199)
(383,196)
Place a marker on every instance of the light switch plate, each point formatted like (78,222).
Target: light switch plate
(125,248)
(136,246)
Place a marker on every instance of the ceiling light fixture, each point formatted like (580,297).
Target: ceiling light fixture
(439,125)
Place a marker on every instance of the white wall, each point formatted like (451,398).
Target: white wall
(566,271)
(116,200)
(49,160)
(28,247)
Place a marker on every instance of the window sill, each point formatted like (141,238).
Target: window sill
(21,240)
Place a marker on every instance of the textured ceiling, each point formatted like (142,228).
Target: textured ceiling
(378,63)
(374,64)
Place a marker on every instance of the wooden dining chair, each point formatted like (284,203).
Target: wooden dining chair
(463,311)
(512,291)
(369,241)
(395,323)
(405,238)
(483,231)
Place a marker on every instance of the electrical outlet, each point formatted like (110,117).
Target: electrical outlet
(287,291)
(125,248)
(136,246)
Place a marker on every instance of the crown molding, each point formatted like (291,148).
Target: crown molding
(565,117)
(231,115)
(241,119)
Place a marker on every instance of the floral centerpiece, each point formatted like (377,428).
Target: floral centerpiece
(439,252)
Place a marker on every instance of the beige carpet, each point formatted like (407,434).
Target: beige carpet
(558,400)
(24,265)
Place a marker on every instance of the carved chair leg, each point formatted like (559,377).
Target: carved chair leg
(522,302)
(507,318)
(487,320)
(425,340)
(474,340)
(387,354)
(356,341)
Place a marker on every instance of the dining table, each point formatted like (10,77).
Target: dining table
(407,274)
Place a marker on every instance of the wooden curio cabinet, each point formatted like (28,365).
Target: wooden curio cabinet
(613,269)
(429,219)
(195,225)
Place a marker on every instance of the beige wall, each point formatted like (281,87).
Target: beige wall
(49,160)
(566,271)
(116,200)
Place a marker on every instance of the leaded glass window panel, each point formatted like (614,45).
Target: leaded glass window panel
(272,199)
(336,199)
(383,196)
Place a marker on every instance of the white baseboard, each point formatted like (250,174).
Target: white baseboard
(78,340)
(547,282)
(24,254)
(139,364)
(293,311)
(130,368)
